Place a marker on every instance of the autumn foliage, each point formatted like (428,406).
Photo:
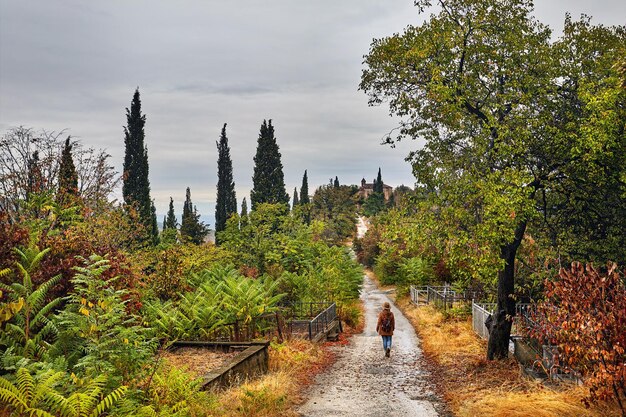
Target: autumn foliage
(584,313)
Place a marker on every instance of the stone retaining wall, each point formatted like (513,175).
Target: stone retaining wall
(251,362)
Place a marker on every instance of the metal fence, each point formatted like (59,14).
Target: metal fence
(442,297)
(305,320)
(265,326)
(311,328)
(482,311)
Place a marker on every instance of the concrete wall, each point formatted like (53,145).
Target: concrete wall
(250,363)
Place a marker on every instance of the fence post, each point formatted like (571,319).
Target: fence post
(310,331)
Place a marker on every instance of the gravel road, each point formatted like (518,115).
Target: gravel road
(362,382)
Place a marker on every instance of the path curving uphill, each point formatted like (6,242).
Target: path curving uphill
(362,382)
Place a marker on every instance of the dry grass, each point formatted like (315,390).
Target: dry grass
(196,360)
(473,386)
(293,365)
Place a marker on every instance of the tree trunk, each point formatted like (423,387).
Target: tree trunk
(500,326)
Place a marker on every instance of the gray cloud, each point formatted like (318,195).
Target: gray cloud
(74,64)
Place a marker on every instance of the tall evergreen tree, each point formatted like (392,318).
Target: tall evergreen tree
(68,178)
(136,186)
(154,226)
(295,198)
(164,222)
(243,219)
(226,203)
(170,221)
(268,179)
(244,207)
(304,190)
(191,227)
(336,182)
(34,178)
(378,184)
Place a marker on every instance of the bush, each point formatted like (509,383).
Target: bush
(415,271)
(584,313)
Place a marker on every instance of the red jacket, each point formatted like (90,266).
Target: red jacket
(379,326)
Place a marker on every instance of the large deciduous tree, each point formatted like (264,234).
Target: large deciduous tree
(268,179)
(96,177)
(503,112)
(136,184)
(226,204)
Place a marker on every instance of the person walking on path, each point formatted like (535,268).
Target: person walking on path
(385,327)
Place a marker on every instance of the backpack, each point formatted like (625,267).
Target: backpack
(386,324)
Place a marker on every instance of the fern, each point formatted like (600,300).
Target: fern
(23,329)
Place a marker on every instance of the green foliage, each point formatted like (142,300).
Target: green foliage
(170,220)
(304,189)
(136,186)
(374,204)
(335,207)
(226,200)
(29,330)
(172,392)
(68,178)
(192,229)
(415,271)
(254,240)
(268,178)
(40,397)
(221,295)
(506,117)
(98,336)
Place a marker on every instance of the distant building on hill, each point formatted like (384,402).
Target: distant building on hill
(368,188)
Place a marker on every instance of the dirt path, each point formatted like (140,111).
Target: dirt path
(363,382)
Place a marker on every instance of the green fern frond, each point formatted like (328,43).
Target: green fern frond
(9,394)
(25,384)
(46,387)
(109,401)
(39,413)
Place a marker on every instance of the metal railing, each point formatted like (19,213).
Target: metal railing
(311,328)
(260,327)
(294,320)
(305,310)
(442,297)
(482,311)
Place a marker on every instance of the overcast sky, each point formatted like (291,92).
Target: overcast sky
(70,64)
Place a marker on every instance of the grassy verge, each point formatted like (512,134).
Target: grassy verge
(293,366)
(473,386)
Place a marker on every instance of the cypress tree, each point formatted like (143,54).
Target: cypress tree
(170,221)
(68,178)
(164,222)
(226,203)
(243,219)
(268,179)
(336,183)
(192,228)
(34,180)
(154,227)
(295,198)
(244,208)
(378,184)
(304,190)
(136,186)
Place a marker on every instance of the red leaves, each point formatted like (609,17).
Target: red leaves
(585,315)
